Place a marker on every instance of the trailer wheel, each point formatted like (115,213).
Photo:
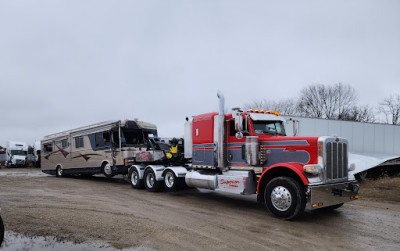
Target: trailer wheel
(107,170)
(171,182)
(1,231)
(284,197)
(134,178)
(59,171)
(150,181)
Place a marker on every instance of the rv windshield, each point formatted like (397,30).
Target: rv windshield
(269,127)
(18,152)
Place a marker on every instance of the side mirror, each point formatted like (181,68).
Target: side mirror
(239,135)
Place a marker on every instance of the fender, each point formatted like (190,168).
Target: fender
(179,171)
(139,169)
(158,171)
(295,167)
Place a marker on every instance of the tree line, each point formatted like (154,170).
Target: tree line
(338,101)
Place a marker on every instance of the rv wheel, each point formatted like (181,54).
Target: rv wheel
(150,181)
(59,171)
(134,178)
(285,197)
(107,170)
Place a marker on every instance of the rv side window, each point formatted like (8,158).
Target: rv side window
(102,139)
(48,147)
(64,143)
(78,142)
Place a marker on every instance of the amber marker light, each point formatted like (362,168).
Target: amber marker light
(314,205)
(356,196)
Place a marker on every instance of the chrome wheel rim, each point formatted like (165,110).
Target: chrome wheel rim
(134,178)
(150,180)
(107,169)
(169,179)
(281,198)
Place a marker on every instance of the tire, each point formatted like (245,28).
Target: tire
(285,198)
(1,231)
(171,182)
(150,181)
(134,179)
(107,170)
(59,171)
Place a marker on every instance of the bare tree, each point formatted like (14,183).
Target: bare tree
(330,102)
(390,106)
(359,114)
(284,106)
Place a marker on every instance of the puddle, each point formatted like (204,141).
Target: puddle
(17,242)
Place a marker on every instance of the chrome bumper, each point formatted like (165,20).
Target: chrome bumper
(328,195)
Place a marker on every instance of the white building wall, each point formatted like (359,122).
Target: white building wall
(363,137)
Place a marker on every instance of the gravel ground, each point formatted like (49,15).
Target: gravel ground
(97,209)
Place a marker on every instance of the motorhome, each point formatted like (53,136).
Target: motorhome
(107,147)
(16,154)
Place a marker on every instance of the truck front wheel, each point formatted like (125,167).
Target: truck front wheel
(284,197)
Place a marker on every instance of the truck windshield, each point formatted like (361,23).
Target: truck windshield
(18,152)
(269,127)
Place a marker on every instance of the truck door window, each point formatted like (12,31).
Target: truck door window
(232,131)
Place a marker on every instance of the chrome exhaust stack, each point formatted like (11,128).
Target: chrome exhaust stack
(219,133)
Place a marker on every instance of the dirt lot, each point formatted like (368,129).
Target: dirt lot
(91,209)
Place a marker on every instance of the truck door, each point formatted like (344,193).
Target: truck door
(235,146)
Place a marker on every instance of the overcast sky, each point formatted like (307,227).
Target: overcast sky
(65,64)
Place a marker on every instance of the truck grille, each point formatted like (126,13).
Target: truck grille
(336,161)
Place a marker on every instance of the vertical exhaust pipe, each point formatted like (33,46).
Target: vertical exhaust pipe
(219,131)
(221,103)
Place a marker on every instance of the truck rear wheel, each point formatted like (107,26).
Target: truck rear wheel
(150,181)
(134,178)
(284,197)
(171,182)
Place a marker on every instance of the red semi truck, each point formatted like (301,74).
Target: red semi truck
(248,152)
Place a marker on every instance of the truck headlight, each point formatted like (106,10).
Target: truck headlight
(312,169)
